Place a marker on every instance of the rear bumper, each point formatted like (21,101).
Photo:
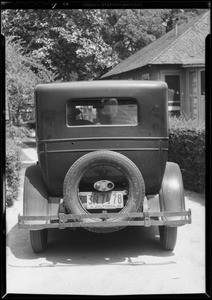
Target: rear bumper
(147,219)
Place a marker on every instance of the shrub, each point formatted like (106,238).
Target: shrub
(16,133)
(13,166)
(187,148)
(24,72)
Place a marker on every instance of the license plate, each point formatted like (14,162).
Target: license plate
(108,200)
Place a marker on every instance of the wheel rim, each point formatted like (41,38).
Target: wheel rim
(103,172)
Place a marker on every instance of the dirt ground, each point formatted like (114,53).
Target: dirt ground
(126,262)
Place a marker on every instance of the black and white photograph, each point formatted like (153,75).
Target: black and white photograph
(105,149)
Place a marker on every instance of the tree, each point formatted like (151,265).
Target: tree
(79,48)
(68,41)
(81,44)
(128,30)
(23,73)
(169,16)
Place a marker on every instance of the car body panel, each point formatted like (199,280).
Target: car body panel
(59,145)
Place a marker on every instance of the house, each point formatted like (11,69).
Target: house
(178,58)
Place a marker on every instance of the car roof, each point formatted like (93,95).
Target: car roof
(101,84)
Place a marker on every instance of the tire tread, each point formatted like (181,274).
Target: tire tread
(38,240)
(75,173)
(168,237)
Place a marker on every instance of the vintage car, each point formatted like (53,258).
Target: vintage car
(102,161)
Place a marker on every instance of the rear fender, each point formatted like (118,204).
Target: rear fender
(171,195)
(35,199)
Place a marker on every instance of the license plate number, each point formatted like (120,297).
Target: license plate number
(108,200)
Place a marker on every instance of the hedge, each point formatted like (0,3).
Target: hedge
(187,149)
(13,164)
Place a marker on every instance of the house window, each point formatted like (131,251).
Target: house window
(202,82)
(173,82)
(145,76)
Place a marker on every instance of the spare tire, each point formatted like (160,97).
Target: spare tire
(108,165)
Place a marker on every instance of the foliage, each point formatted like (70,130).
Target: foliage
(16,133)
(66,41)
(13,166)
(82,44)
(128,30)
(23,73)
(170,16)
(187,148)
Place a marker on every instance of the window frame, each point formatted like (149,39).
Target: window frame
(179,73)
(100,125)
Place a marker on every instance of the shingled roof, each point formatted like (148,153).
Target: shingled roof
(185,47)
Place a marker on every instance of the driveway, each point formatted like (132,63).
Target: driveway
(126,262)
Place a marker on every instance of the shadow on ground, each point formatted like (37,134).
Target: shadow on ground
(82,247)
(194,197)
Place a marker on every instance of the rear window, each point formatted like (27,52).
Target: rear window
(100,112)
